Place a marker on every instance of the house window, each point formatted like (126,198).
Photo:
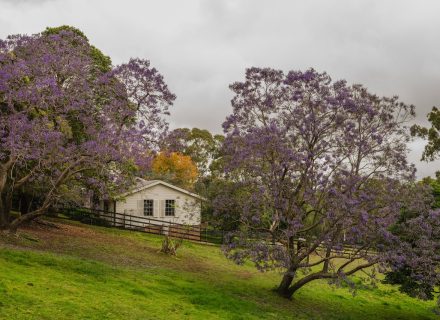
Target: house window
(169,207)
(148,207)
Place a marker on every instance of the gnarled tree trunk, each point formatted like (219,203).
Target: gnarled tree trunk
(283,288)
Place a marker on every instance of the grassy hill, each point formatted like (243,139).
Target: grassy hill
(85,272)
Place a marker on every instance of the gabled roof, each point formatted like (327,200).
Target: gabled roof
(142,184)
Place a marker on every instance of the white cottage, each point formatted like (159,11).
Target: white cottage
(158,200)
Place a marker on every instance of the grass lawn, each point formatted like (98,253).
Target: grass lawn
(85,272)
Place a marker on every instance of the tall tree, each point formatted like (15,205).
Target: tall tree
(201,145)
(66,122)
(432,149)
(324,165)
(205,150)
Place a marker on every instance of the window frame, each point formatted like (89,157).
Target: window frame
(170,208)
(150,207)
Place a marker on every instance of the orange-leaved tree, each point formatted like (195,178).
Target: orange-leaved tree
(175,168)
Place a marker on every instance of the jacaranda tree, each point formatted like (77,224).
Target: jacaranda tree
(323,173)
(415,256)
(68,122)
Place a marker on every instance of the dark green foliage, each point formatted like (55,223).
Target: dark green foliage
(202,146)
(102,61)
(85,216)
(56,30)
(435,186)
(432,149)
(407,283)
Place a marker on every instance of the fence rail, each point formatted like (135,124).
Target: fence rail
(144,224)
(202,233)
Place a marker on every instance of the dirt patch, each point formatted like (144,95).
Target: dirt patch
(57,229)
(245,275)
(65,237)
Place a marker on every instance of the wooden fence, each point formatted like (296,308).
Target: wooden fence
(144,224)
(202,233)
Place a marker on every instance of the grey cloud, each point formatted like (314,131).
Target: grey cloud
(32,2)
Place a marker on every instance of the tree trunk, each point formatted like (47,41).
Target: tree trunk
(5,209)
(13,226)
(283,288)
(4,214)
(4,219)
(25,203)
(303,281)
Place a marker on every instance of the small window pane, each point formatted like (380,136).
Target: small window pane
(148,207)
(169,207)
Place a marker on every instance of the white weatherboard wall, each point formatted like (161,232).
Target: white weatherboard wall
(187,210)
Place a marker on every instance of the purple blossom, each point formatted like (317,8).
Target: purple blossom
(67,125)
(324,165)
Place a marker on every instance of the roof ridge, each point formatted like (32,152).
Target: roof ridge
(150,183)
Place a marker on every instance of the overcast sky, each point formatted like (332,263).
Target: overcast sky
(201,46)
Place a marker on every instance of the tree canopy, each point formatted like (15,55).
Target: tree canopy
(175,168)
(101,61)
(432,149)
(72,121)
(324,167)
(201,145)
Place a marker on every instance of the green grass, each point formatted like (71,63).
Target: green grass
(84,272)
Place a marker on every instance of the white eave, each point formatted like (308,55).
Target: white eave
(146,184)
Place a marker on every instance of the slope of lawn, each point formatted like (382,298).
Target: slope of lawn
(76,271)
